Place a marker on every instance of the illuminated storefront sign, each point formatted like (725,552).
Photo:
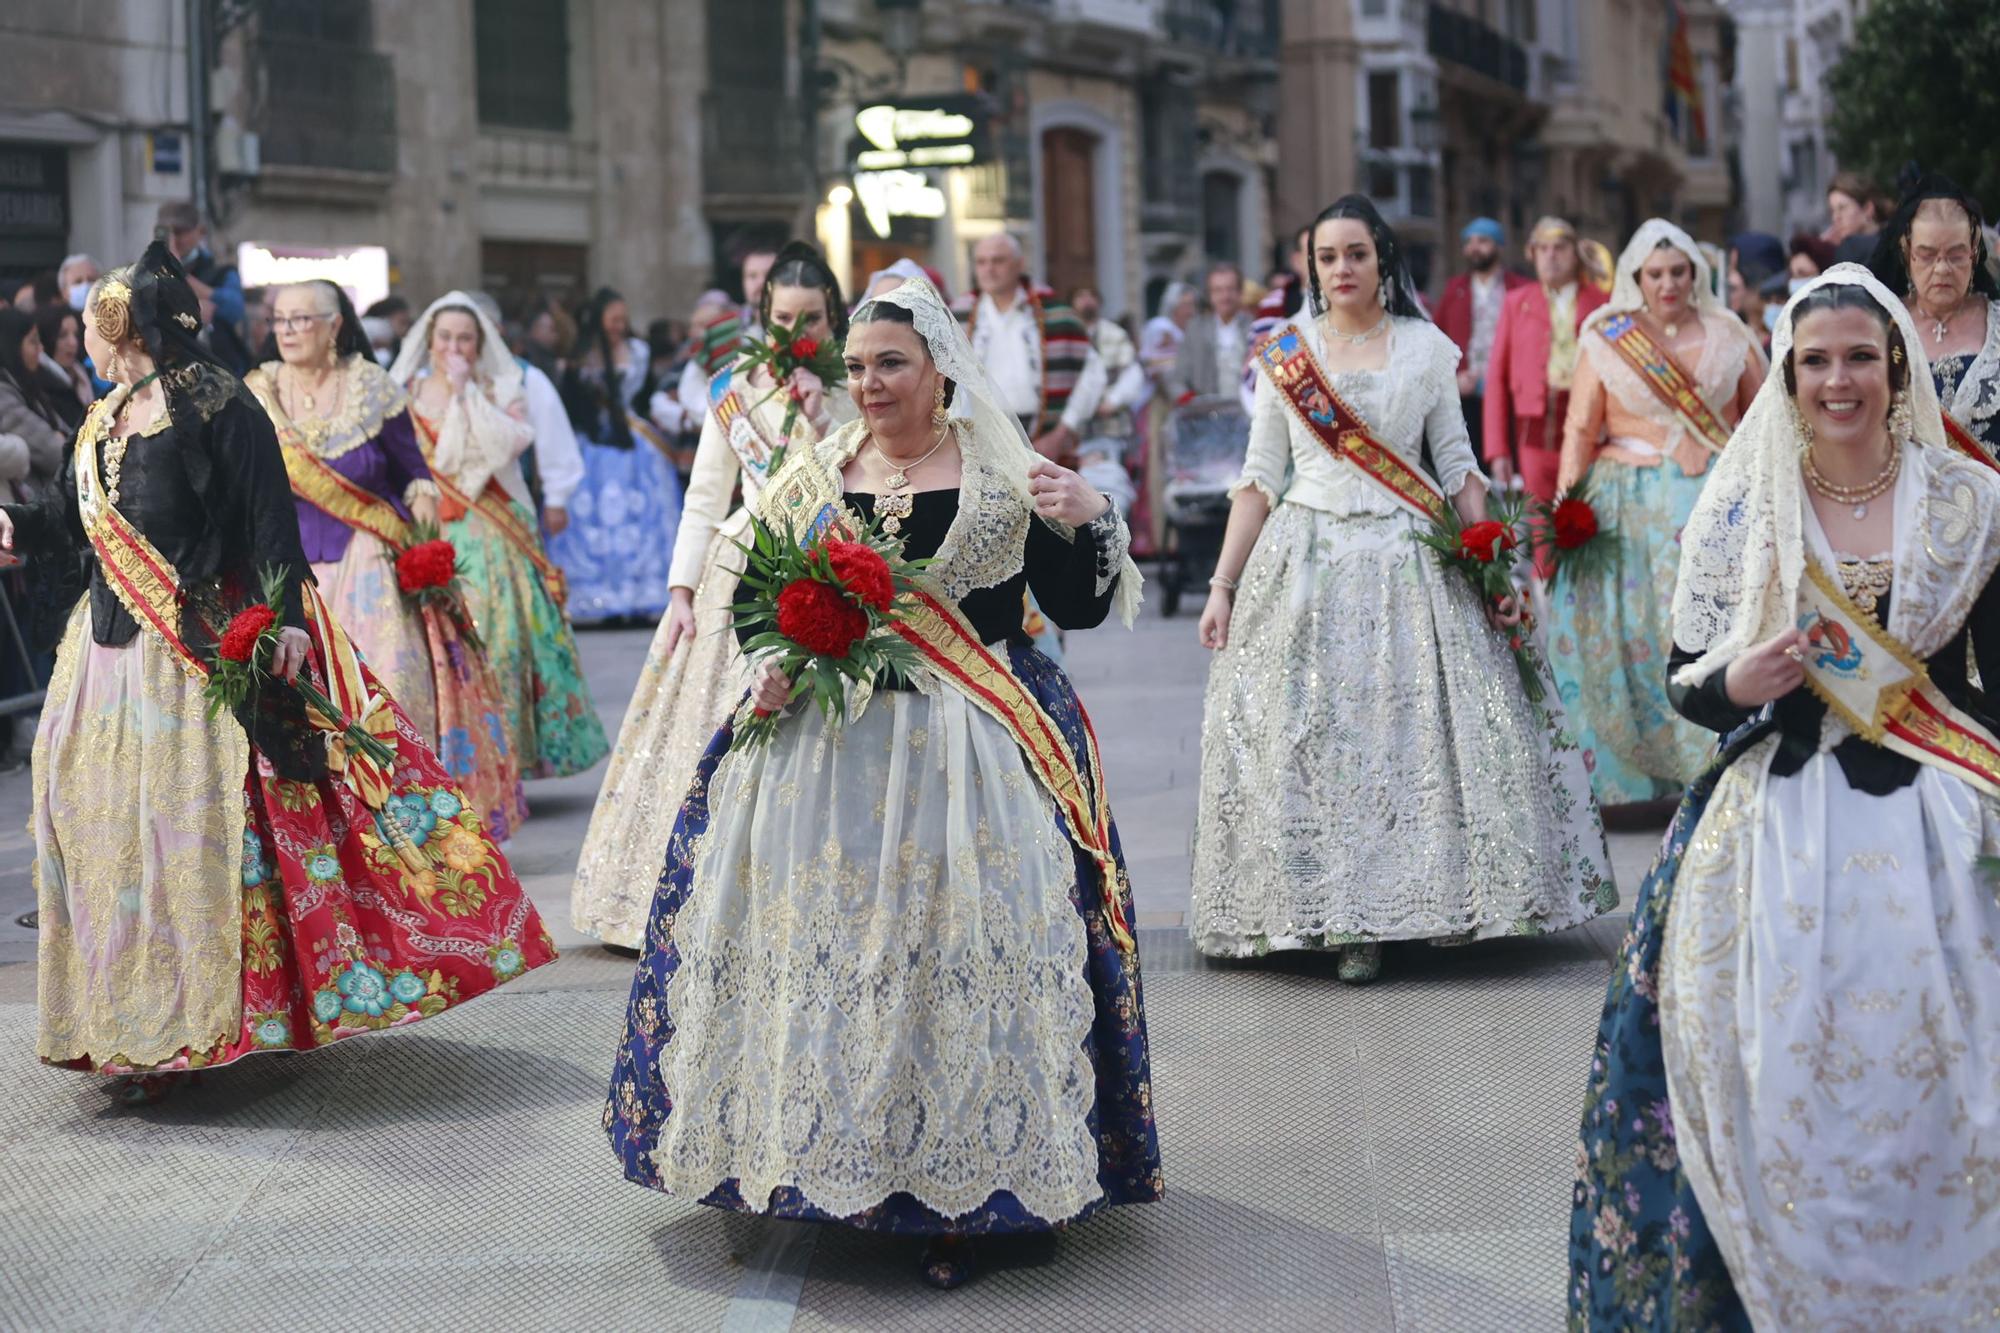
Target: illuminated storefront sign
(887,195)
(363,270)
(947,131)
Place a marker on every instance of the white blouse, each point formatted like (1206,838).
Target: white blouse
(1410,401)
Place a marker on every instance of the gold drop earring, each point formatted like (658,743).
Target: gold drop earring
(940,414)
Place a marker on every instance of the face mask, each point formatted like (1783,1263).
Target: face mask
(1771,313)
(79,292)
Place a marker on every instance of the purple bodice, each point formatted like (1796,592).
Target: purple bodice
(385,465)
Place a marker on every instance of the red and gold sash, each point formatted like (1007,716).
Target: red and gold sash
(1296,375)
(807,502)
(1962,440)
(497,508)
(1880,688)
(148,586)
(1664,376)
(323,486)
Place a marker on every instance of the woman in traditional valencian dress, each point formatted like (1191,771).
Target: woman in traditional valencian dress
(695,673)
(466,402)
(208,888)
(1372,768)
(889,979)
(621,520)
(1792,1110)
(1664,374)
(360,481)
(1933,252)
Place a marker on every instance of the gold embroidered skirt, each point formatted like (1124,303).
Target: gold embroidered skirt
(1830,1027)
(1371,768)
(677,706)
(138,822)
(881,985)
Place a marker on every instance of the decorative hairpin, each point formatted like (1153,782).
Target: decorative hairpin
(187,321)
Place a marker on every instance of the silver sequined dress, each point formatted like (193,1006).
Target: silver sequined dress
(1371,767)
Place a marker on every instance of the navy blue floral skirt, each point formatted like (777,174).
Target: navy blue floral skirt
(1121,1117)
(1641,1255)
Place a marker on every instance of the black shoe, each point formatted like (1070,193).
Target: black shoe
(947,1262)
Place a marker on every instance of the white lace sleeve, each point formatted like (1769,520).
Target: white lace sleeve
(1265,462)
(1444,420)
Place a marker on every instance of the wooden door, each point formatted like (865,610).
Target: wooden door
(1069,209)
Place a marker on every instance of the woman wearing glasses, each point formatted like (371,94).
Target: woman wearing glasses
(1933,253)
(360,484)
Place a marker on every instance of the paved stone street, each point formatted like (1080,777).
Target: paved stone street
(1395,1156)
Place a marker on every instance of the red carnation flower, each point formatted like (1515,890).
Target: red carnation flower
(239,641)
(1485,540)
(1575,523)
(805,349)
(819,619)
(431,564)
(863,572)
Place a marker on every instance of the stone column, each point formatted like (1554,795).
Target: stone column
(1317,65)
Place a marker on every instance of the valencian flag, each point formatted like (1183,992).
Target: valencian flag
(1682,89)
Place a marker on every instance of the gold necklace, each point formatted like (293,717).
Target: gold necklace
(898,504)
(1857,496)
(116,445)
(305,396)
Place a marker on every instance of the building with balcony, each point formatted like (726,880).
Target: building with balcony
(1123,142)
(1786,50)
(514,145)
(1507,109)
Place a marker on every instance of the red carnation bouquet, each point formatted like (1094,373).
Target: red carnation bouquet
(1485,552)
(427,575)
(828,608)
(242,665)
(784,350)
(1579,542)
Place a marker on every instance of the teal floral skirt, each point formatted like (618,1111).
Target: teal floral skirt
(550,721)
(1610,633)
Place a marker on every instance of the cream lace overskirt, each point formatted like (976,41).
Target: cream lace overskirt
(676,707)
(1830,1022)
(1371,768)
(882,976)
(138,822)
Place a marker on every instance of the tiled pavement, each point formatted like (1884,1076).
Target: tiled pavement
(1396,1156)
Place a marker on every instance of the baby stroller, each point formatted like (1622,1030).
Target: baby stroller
(1206,440)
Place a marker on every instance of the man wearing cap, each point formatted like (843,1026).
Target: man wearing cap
(1469,314)
(1534,360)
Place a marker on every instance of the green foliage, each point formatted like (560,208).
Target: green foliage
(1921,82)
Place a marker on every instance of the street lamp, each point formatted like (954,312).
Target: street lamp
(1424,126)
(900,21)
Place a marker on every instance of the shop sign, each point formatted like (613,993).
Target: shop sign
(947,131)
(887,195)
(361,270)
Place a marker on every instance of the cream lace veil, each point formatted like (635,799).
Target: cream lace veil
(1625,295)
(497,368)
(1743,550)
(996,433)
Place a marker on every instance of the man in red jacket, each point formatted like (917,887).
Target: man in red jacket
(1469,313)
(1534,360)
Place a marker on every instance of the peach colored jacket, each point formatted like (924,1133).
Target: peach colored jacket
(1611,410)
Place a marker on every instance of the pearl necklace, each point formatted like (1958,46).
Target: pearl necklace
(1857,496)
(1356,339)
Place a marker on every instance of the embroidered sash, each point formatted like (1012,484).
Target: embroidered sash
(1664,376)
(754,450)
(148,587)
(1962,440)
(1879,687)
(802,499)
(1297,376)
(497,508)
